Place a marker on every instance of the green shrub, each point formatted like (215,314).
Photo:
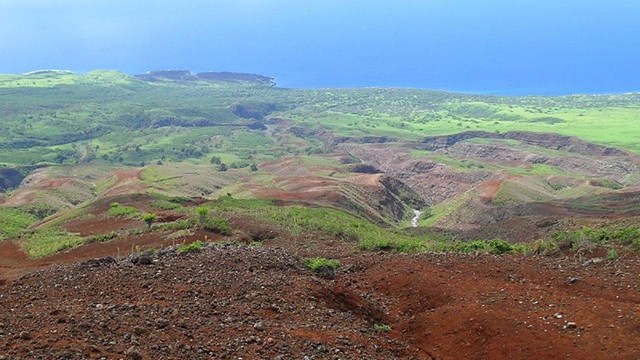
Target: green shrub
(149,219)
(195,246)
(320,264)
(612,254)
(628,236)
(202,211)
(217,225)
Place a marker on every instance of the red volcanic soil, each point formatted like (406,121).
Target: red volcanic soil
(262,303)
(489,189)
(303,189)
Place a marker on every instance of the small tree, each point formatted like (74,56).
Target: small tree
(222,167)
(149,219)
(254,167)
(215,160)
(203,212)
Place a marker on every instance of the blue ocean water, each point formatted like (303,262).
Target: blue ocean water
(486,46)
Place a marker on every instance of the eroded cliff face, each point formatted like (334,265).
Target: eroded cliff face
(544,140)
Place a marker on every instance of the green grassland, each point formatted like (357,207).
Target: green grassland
(109,117)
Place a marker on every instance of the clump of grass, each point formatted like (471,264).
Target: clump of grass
(612,254)
(543,247)
(117,210)
(178,225)
(217,225)
(494,246)
(382,328)
(320,264)
(102,237)
(50,241)
(195,246)
(13,221)
(165,205)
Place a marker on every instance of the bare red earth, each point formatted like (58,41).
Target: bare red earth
(259,303)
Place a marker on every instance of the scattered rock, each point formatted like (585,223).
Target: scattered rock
(143,259)
(162,323)
(133,353)
(573,280)
(593,261)
(259,326)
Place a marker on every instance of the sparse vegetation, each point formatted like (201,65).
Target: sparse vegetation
(178,225)
(217,225)
(589,237)
(195,246)
(494,246)
(382,328)
(13,221)
(165,205)
(102,237)
(117,210)
(320,264)
(46,242)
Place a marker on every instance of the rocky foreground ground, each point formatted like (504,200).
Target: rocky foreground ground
(237,302)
